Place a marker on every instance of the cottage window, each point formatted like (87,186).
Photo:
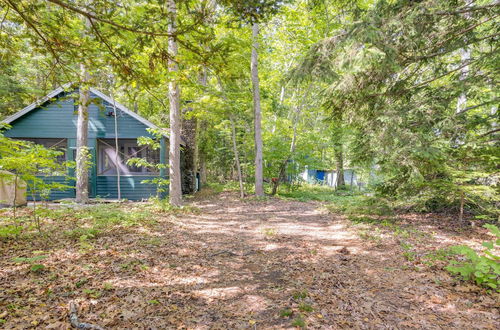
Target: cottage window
(107,160)
(56,144)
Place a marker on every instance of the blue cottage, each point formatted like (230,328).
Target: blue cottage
(52,122)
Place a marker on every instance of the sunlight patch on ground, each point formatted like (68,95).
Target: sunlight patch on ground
(220,293)
(271,246)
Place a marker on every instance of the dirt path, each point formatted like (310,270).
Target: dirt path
(253,264)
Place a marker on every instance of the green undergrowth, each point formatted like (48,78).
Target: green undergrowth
(218,187)
(482,267)
(308,192)
(84,223)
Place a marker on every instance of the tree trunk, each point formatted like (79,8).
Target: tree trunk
(339,161)
(82,152)
(175,192)
(259,177)
(236,156)
(462,202)
(188,132)
(199,126)
(465,55)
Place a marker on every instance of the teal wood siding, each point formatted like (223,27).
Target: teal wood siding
(56,194)
(130,187)
(103,126)
(58,119)
(53,120)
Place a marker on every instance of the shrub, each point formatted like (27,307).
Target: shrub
(483,269)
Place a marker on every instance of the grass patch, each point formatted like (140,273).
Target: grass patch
(302,294)
(269,232)
(287,312)
(304,307)
(299,322)
(308,192)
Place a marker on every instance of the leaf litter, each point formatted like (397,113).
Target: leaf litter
(235,263)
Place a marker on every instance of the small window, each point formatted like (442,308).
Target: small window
(56,144)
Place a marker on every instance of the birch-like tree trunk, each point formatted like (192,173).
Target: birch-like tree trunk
(175,191)
(259,177)
(82,129)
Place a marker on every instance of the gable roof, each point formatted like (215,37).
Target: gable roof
(65,87)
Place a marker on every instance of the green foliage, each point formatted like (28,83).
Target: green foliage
(37,268)
(301,294)
(287,312)
(304,307)
(32,261)
(160,182)
(399,86)
(312,192)
(10,231)
(299,322)
(361,205)
(269,232)
(92,293)
(77,233)
(29,260)
(28,162)
(484,268)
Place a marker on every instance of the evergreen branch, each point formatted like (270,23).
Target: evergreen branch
(446,73)
(491,132)
(467,9)
(89,15)
(476,106)
(109,22)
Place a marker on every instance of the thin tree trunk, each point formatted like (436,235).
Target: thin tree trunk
(259,177)
(462,202)
(82,154)
(196,155)
(175,192)
(15,196)
(236,156)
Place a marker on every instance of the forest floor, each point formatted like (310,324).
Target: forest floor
(231,263)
